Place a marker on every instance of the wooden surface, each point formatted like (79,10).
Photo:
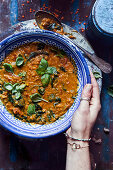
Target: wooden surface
(49,154)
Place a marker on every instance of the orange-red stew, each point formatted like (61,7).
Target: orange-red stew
(38,83)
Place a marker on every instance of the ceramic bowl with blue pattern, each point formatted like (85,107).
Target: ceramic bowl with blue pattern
(25,129)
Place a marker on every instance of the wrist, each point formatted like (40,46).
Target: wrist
(80,135)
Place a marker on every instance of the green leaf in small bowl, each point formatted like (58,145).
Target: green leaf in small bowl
(97,75)
(51,70)
(110,90)
(45,79)
(8,67)
(8,86)
(19,61)
(31,109)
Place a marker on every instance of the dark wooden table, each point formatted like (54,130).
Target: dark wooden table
(50,154)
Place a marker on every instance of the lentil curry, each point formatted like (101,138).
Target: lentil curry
(38,83)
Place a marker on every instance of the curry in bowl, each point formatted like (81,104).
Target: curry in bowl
(38,83)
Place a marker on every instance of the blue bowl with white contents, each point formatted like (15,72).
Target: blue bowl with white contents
(30,130)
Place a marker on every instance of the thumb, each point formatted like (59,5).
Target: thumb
(86,93)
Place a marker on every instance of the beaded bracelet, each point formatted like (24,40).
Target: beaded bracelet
(84,140)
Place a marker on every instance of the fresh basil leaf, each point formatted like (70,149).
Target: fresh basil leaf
(43,64)
(97,74)
(14,85)
(51,70)
(8,67)
(31,109)
(32,54)
(45,79)
(40,71)
(14,90)
(8,86)
(37,98)
(42,67)
(17,95)
(22,86)
(110,90)
(19,61)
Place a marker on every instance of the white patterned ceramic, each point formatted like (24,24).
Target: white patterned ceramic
(34,130)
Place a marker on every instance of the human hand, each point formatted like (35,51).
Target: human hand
(85,116)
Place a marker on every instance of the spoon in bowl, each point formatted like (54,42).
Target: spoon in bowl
(40,15)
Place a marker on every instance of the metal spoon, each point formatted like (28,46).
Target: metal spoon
(103,65)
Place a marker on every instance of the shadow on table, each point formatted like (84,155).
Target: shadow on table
(40,154)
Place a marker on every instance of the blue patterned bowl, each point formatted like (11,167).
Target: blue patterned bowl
(33,130)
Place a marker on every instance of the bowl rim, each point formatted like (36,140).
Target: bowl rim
(3,44)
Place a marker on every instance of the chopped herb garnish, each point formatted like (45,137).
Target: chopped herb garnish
(8,67)
(19,60)
(44,70)
(8,86)
(37,98)
(51,70)
(31,109)
(17,95)
(45,79)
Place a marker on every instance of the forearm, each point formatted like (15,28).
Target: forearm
(78,159)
